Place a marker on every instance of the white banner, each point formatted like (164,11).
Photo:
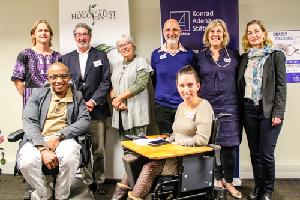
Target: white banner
(107,20)
(289,42)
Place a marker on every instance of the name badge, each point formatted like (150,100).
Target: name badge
(97,63)
(163,56)
(190,115)
(227,60)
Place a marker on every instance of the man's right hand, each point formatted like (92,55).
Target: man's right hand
(49,158)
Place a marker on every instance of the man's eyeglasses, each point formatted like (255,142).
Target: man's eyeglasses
(55,76)
(81,34)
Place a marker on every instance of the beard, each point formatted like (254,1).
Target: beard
(172,41)
(84,45)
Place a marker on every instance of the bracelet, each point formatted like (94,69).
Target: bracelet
(60,136)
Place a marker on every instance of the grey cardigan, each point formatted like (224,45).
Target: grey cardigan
(274,84)
(36,110)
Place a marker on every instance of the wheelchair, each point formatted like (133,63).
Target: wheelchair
(195,177)
(85,156)
(2,159)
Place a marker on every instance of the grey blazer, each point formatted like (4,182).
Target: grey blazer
(35,113)
(273,86)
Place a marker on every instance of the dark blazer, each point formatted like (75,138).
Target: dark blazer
(96,81)
(35,114)
(273,86)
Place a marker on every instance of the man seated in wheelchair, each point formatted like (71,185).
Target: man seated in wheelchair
(192,127)
(52,119)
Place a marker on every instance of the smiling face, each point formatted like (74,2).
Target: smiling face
(58,77)
(255,36)
(187,86)
(216,36)
(41,34)
(82,38)
(126,49)
(172,32)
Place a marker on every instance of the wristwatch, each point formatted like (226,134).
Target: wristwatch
(60,135)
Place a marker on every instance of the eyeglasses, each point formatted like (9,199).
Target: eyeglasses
(55,76)
(81,34)
(123,44)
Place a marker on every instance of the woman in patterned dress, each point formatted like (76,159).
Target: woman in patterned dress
(30,70)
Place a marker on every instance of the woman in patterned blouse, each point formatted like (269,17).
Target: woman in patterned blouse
(30,70)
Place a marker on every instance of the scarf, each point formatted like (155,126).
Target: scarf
(257,59)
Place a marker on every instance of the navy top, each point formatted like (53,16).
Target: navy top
(165,67)
(219,88)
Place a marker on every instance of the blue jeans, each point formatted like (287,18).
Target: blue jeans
(262,138)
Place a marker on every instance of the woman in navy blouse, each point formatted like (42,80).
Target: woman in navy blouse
(218,67)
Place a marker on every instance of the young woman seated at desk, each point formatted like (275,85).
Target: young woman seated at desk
(192,127)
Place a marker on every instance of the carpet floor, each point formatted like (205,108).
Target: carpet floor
(13,188)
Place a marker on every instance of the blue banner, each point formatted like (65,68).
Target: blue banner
(194,15)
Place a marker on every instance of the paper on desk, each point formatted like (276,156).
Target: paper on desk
(145,141)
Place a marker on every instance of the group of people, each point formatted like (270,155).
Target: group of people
(251,88)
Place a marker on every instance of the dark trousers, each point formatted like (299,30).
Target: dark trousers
(262,138)
(226,170)
(164,118)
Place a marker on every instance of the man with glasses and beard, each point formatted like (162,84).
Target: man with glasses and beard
(166,61)
(90,72)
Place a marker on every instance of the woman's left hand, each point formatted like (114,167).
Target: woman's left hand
(276,121)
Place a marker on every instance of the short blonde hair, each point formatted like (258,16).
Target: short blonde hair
(245,43)
(34,27)
(211,25)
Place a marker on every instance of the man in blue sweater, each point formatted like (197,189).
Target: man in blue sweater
(166,61)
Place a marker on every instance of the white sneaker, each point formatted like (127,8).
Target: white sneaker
(35,196)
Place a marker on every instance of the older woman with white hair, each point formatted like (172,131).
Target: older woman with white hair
(129,94)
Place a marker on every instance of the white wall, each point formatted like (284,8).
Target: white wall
(277,15)
(16,18)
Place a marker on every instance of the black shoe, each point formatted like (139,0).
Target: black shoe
(98,188)
(254,195)
(266,196)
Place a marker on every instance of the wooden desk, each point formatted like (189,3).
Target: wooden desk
(164,151)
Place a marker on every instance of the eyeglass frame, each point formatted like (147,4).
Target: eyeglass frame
(54,77)
(81,34)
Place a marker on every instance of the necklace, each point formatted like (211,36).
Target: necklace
(128,61)
(228,60)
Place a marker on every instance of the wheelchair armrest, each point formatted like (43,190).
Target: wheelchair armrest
(217,150)
(16,136)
